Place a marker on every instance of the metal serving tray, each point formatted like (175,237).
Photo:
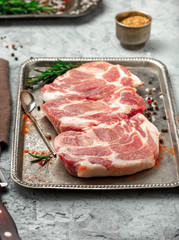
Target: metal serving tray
(74,8)
(53,175)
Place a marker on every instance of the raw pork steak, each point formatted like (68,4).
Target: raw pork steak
(66,114)
(109,149)
(94,80)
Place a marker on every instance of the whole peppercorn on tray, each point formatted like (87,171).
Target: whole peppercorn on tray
(160,110)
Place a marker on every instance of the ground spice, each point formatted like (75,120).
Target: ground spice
(25,131)
(135,21)
(40,180)
(160,156)
(28,124)
(29,178)
(164,149)
(26,127)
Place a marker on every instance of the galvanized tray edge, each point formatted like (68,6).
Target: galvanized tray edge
(85,187)
(76,11)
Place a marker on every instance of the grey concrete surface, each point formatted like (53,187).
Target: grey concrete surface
(92,215)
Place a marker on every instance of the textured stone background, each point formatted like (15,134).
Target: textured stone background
(92,215)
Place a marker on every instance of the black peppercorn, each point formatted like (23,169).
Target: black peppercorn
(150,108)
(164,129)
(161,140)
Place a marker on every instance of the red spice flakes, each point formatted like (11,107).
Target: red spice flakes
(40,180)
(164,149)
(26,151)
(160,158)
(28,124)
(26,118)
(25,131)
(29,179)
(41,163)
(149,101)
(170,150)
(40,154)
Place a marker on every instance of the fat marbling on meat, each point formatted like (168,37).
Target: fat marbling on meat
(68,114)
(109,149)
(94,80)
(98,114)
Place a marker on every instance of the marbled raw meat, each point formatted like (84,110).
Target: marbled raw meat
(94,80)
(66,114)
(109,149)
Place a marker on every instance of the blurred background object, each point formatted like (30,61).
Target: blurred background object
(133,29)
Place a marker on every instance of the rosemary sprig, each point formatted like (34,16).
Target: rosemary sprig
(44,158)
(23,7)
(51,73)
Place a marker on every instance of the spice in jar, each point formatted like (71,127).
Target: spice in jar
(135,21)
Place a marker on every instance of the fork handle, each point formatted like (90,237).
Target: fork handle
(8,229)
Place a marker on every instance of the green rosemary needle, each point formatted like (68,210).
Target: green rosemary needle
(51,73)
(44,158)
